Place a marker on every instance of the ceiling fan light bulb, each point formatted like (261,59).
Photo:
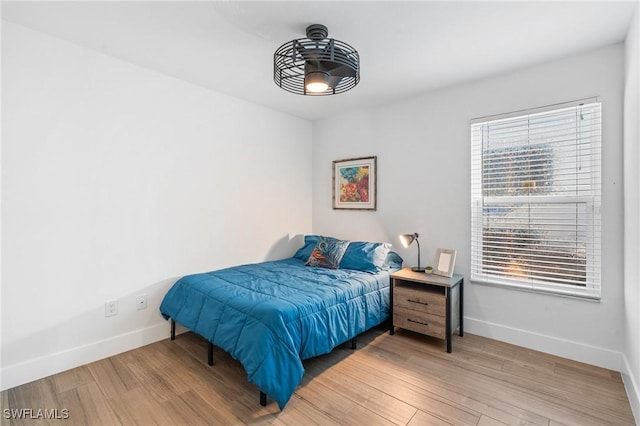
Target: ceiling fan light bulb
(317,87)
(316,82)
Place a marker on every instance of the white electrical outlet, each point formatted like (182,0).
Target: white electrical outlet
(110,308)
(141,302)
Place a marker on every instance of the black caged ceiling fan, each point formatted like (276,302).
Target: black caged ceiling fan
(316,65)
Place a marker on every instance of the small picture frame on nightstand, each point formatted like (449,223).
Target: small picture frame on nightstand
(444,262)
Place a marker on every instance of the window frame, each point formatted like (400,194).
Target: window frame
(592,200)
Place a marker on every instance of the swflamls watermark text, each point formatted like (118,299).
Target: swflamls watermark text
(36,413)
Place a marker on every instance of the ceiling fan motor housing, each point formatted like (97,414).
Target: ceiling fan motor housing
(317,32)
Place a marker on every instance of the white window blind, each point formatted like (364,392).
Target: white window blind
(536,199)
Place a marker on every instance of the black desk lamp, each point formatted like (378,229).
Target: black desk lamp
(406,240)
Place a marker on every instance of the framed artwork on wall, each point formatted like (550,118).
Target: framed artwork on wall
(444,262)
(354,184)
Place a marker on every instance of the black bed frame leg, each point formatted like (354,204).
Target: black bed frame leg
(210,354)
(173,329)
(263,399)
(354,344)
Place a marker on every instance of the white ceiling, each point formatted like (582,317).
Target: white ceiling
(406,48)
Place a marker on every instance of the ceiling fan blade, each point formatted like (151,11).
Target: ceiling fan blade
(332,68)
(334,80)
(340,70)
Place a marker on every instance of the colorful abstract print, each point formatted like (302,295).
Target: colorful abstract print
(354,186)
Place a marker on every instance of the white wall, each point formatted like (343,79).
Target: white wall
(423,149)
(631,349)
(116,180)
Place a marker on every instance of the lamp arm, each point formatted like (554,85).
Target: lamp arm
(418,243)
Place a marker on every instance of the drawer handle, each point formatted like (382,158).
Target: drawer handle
(417,322)
(417,301)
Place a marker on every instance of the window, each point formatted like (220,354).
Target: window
(535,196)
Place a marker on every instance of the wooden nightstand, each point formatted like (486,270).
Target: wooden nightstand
(427,303)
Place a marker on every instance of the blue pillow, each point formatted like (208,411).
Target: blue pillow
(393,261)
(327,253)
(364,256)
(310,241)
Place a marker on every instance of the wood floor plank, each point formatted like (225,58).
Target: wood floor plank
(32,399)
(113,375)
(86,405)
(160,375)
(138,407)
(72,379)
(300,412)
(325,399)
(488,421)
(4,404)
(218,404)
(425,419)
(190,408)
(405,379)
(359,416)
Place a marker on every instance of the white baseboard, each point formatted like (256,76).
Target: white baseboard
(576,351)
(631,386)
(38,368)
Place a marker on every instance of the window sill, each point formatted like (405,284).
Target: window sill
(541,289)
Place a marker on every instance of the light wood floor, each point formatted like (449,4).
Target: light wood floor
(406,379)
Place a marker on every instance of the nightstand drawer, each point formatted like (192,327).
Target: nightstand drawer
(422,322)
(433,303)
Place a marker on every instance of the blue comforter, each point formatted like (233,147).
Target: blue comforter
(272,315)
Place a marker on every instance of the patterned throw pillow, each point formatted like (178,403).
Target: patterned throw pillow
(327,253)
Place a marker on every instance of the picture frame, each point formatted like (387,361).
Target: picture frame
(444,262)
(354,184)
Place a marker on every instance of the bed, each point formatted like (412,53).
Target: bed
(272,315)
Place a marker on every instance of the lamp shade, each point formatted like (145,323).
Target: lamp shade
(406,240)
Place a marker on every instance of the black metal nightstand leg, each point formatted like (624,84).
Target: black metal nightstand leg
(447,328)
(461,306)
(392,329)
